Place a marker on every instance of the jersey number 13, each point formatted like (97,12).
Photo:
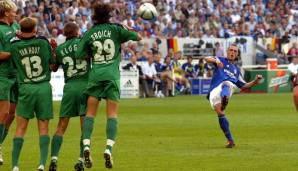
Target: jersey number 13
(33,66)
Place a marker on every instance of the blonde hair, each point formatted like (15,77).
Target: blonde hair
(6,5)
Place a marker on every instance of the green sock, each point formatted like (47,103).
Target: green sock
(1,132)
(87,130)
(17,147)
(111,131)
(44,141)
(5,132)
(81,147)
(56,144)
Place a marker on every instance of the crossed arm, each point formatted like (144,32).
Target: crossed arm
(4,55)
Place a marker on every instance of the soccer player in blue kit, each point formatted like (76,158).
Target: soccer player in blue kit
(226,77)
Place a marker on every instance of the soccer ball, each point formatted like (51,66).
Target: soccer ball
(147,11)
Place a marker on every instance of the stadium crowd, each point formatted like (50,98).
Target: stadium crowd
(177,18)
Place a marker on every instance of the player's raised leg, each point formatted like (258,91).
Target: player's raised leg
(215,99)
(225,94)
(18,141)
(92,105)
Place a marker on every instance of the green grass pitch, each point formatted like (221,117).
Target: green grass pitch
(182,134)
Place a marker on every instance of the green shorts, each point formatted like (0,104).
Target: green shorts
(35,99)
(5,88)
(109,89)
(8,89)
(14,91)
(74,101)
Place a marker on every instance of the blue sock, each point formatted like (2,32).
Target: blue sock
(225,90)
(224,125)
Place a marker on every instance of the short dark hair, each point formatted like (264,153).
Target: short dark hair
(28,24)
(70,30)
(101,13)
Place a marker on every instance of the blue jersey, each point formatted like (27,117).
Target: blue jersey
(158,67)
(229,72)
(189,70)
(165,67)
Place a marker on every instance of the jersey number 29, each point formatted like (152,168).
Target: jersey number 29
(105,51)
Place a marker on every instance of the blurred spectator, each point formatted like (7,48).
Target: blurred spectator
(159,70)
(203,69)
(199,68)
(179,18)
(127,53)
(150,76)
(225,31)
(269,49)
(43,30)
(260,57)
(273,31)
(167,76)
(73,9)
(188,68)
(182,84)
(133,66)
(293,68)
(281,58)
(208,69)
(129,19)
(54,34)
(155,48)
(145,53)
(293,51)
(218,50)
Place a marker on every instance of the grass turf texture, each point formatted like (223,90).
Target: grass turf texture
(182,133)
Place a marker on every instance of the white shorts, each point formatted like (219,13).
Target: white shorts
(215,97)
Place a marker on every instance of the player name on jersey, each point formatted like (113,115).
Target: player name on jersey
(101,34)
(69,49)
(29,51)
(35,79)
(229,73)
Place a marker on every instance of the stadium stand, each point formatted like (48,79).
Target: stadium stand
(201,19)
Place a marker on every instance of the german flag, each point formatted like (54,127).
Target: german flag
(173,44)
